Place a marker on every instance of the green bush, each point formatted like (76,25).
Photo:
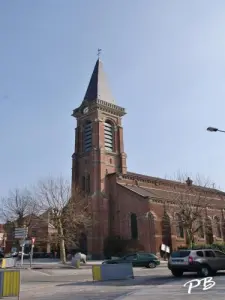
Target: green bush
(217,246)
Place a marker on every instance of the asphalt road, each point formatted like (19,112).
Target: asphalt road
(157,284)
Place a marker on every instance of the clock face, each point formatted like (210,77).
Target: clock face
(85,110)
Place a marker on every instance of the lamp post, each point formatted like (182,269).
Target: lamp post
(213,129)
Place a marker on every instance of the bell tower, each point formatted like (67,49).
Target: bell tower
(99,150)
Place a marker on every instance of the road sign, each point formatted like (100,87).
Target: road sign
(23,242)
(21,233)
(33,240)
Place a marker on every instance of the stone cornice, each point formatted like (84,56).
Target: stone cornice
(101,105)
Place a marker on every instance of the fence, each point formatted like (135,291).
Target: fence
(112,272)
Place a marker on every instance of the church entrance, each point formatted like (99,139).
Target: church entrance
(166,234)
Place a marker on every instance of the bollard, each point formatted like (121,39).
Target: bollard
(8,263)
(77,263)
(10,283)
(96,273)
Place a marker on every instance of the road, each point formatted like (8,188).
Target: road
(70,284)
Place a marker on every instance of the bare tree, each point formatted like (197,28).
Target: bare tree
(69,211)
(17,210)
(187,206)
(18,207)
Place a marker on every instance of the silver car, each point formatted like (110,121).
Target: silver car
(205,262)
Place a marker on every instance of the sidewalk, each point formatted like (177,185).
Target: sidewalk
(56,264)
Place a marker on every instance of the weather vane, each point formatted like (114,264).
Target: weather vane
(99,52)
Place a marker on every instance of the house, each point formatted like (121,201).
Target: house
(39,227)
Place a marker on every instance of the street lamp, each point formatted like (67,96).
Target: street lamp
(213,129)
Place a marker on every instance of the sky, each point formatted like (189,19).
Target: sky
(165,60)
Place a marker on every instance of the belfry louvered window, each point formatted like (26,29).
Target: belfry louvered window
(87,136)
(108,132)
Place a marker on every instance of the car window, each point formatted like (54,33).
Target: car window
(200,253)
(177,254)
(145,256)
(219,253)
(209,253)
(131,257)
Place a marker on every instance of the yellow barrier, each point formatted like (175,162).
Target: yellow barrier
(7,263)
(3,263)
(10,283)
(96,273)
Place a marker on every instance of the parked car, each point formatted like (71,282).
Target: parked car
(205,262)
(14,254)
(147,260)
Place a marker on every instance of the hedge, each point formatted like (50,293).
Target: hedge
(216,246)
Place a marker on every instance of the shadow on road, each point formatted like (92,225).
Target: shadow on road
(139,280)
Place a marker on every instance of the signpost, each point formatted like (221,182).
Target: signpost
(21,234)
(32,250)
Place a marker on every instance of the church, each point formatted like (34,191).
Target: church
(123,203)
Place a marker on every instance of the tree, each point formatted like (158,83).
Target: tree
(17,210)
(18,207)
(187,206)
(69,211)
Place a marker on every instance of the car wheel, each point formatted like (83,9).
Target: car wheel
(151,265)
(177,273)
(204,271)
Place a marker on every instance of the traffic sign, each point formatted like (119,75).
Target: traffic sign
(33,240)
(21,233)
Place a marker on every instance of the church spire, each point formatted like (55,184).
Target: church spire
(98,87)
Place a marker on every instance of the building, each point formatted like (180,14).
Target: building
(119,197)
(39,227)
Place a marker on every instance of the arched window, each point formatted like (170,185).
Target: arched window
(200,230)
(109,136)
(179,226)
(208,231)
(134,227)
(87,138)
(88,187)
(83,183)
(217,227)
(223,227)
(166,230)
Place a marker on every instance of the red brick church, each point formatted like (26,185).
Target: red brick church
(125,204)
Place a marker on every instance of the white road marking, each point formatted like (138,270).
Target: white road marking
(41,272)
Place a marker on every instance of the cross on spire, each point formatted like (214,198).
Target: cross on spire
(99,52)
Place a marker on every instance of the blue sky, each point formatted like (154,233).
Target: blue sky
(166,64)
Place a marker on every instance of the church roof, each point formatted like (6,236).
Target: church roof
(160,188)
(158,181)
(160,193)
(98,87)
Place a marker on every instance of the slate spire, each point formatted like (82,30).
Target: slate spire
(98,87)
